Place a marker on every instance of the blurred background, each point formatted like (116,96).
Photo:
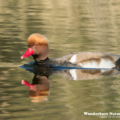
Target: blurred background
(70,26)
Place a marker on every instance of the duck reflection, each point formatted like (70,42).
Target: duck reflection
(39,89)
(86,74)
(72,73)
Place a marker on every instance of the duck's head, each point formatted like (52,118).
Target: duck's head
(37,47)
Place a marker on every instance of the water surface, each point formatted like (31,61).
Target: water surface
(70,26)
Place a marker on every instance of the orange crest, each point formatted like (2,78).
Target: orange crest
(37,39)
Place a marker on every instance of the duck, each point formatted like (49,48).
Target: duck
(38,47)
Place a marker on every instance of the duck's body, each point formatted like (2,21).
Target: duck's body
(38,48)
(90,59)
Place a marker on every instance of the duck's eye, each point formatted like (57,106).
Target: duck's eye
(36,45)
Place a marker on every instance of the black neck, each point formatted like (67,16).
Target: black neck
(42,61)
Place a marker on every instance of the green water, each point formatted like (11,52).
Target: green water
(70,26)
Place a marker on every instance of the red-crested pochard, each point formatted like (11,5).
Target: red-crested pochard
(38,47)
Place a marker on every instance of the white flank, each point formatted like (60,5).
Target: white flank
(73,73)
(89,64)
(106,64)
(103,64)
(73,59)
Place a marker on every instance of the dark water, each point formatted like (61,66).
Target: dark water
(84,25)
